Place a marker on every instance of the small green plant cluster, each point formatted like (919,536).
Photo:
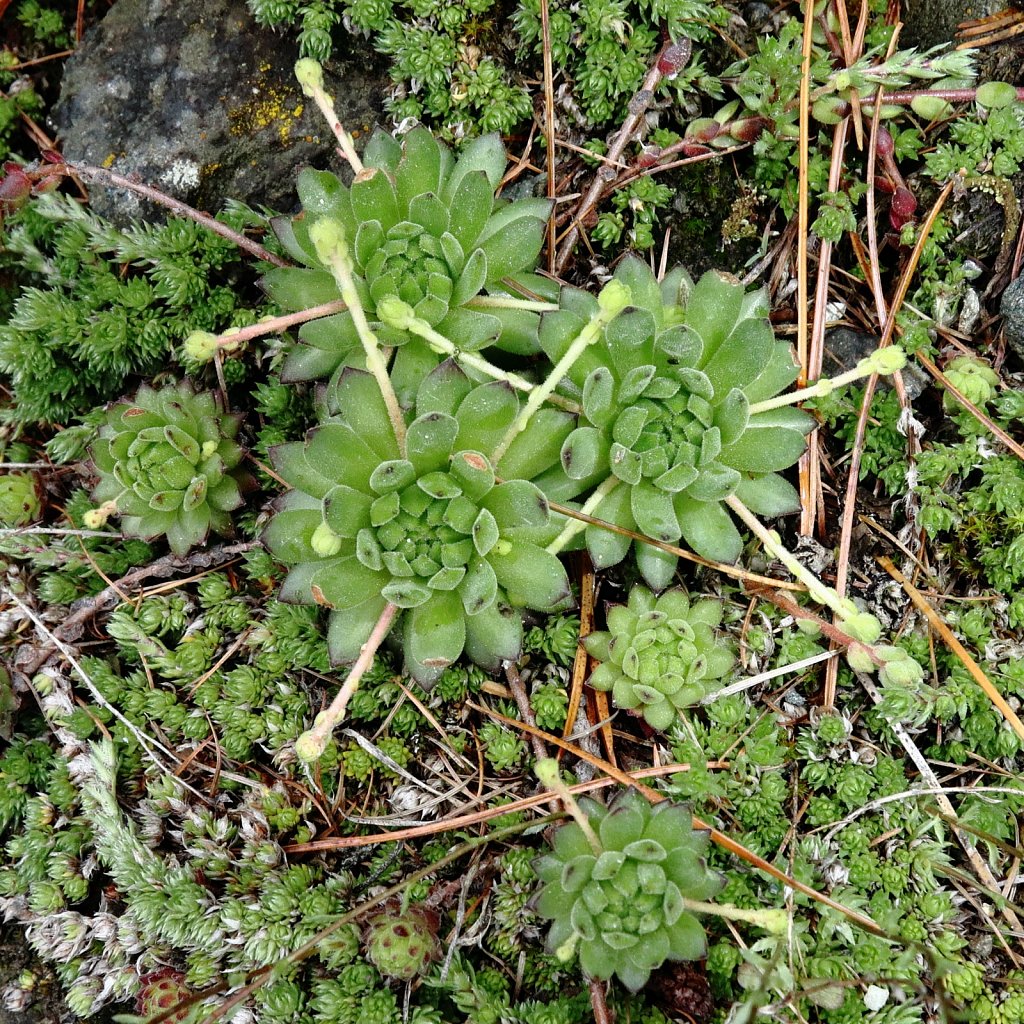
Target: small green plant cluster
(451,62)
(621,890)
(106,304)
(169,466)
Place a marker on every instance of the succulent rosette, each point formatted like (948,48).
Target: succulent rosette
(660,654)
(426,528)
(669,426)
(423,227)
(623,904)
(168,464)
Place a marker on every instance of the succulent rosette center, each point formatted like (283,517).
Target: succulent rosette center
(660,655)
(622,902)
(421,226)
(426,528)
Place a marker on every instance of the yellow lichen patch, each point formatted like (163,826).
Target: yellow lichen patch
(272,107)
(108,160)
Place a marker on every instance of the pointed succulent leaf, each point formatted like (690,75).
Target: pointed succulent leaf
(383,151)
(516,243)
(429,441)
(538,447)
(470,329)
(531,576)
(295,288)
(769,495)
(323,195)
(742,357)
(585,453)
(443,389)
(643,285)
(607,547)
(485,415)
(471,281)
(599,397)
(430,213)
(780,371)
(419,170)
(494,635)
(654,512)
(470,208)
(708,529)
(487,154)
(348,629)
(713,308)
(714,482)
(517,503)
(435,635)
(373,198)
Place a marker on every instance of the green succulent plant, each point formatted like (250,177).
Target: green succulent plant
(619,896)
(660,654)
(168,465)
(423,524)
(19,499)
(402,944)
(421,227)
(669,425)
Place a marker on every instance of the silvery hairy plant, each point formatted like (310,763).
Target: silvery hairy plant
(670,424)
(420,522)
(423,227)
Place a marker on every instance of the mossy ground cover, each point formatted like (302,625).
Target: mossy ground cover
(418,483)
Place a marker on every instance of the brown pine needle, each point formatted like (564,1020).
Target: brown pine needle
(955,646)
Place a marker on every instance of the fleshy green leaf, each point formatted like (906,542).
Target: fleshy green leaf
(435,635)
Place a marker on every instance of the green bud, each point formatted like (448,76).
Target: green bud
(884,361)
(201,346)
(395,313)
(858,658)
(328,238)
(899,668)
(614,297)
(325,542)
(309,747)
(310,76)
(863,626)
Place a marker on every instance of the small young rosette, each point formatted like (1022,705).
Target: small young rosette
(427,529)
(420,226)
(168,465)
(669,418)
(660,654)
(623,905)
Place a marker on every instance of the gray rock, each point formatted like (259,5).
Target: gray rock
(1012,309)
(930,22)
(197,100)
(845,348)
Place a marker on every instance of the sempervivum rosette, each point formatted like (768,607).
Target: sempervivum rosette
(670,426)
(619,896)
(168,465)
(423,227)
(425,527)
